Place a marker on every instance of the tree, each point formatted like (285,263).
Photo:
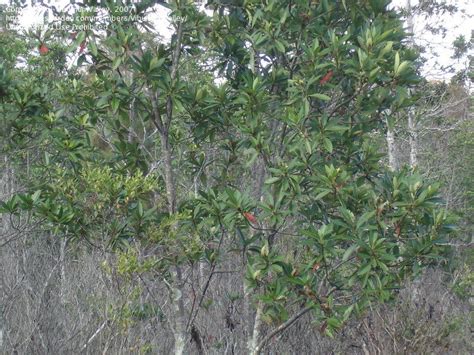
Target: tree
(268,176)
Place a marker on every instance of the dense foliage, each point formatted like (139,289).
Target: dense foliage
(245,143)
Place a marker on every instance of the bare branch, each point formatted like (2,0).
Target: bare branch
(281,328)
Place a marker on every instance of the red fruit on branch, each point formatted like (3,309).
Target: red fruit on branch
(43,49)
(326,77)
(250,217)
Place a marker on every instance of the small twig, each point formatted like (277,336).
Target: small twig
(192,317)
(94,335)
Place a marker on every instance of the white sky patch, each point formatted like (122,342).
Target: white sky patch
(439,56)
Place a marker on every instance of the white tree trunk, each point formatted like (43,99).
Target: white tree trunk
(412,129)
(179,331)
(253,339)
(254,331)
(392,161)
(7,183)
(413,140)
(410,21)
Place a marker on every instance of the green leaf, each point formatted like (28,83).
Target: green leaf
(46,158)
(327,144)
(364,218)
(365,270)
(348,312)
(272,180)
(280,46)
(397,63)
(36,195)
(265,250)
(349,252)
(402,67)
(336,128)
(386,49)
(115,104)
(322,194)
(116,63)
(321,97)
(307,143)
(156,63)
(306,107)
(93,47)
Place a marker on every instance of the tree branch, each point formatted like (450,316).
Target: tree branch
(280,329)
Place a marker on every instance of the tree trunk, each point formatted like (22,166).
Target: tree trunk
(412,129)
(390,137)
(179,331)
(255,336)
(413,140)
(254,326)
(7,182)
(169,176)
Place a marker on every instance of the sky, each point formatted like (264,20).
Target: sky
(439,56)
(461,23)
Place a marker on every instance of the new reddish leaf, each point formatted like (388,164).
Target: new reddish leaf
(82,46)
(250,217)
(326,77)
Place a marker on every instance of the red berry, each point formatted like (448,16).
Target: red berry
(43,49)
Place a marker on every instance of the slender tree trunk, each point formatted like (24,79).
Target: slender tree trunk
(163,123)
(392,159)
(253,339)
(410,20)
(176,285)
(7,183)
(178,307)
(413,139)
(254,322)
(254,334)
(179,331)
(169,176)
(412,126)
